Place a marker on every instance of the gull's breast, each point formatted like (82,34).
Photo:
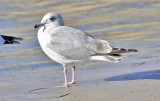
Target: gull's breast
(44,40)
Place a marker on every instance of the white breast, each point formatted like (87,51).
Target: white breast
(44,39)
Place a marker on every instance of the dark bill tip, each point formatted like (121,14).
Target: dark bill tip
(38,25)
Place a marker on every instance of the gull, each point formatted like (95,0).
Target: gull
(70,47)
(9,39)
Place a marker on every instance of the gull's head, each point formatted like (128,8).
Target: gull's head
(52,19)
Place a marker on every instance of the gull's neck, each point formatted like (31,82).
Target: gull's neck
(50,26)
(54,25)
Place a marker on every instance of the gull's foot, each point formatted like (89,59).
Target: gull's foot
(63,85)
(70,83)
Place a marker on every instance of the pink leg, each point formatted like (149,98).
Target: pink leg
(65,77)
(65,84)
(73,76)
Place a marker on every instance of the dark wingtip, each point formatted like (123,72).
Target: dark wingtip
(115,54)
(133,50)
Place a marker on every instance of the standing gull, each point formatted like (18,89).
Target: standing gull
(9,40)
(70,46)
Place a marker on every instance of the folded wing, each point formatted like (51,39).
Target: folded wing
(75,44)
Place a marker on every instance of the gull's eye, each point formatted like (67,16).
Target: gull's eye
(52,18)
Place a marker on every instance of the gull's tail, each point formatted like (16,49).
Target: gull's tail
(122,50)
(113,56)
(11,39)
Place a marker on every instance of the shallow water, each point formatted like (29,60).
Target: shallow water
(128,24)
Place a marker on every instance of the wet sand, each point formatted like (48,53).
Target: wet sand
(27,74)
(121,81)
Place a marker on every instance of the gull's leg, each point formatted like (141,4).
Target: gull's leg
(73,76)
(65,84)
(65,77)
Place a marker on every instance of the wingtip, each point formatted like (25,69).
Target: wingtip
(134,50)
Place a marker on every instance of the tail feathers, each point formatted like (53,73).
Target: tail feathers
(113,56)
(122,50)
(108,58)
(11,39)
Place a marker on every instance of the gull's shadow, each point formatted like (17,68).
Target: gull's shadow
(154,74)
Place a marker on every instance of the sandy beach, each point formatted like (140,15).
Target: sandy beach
(111,82)
(27,74)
